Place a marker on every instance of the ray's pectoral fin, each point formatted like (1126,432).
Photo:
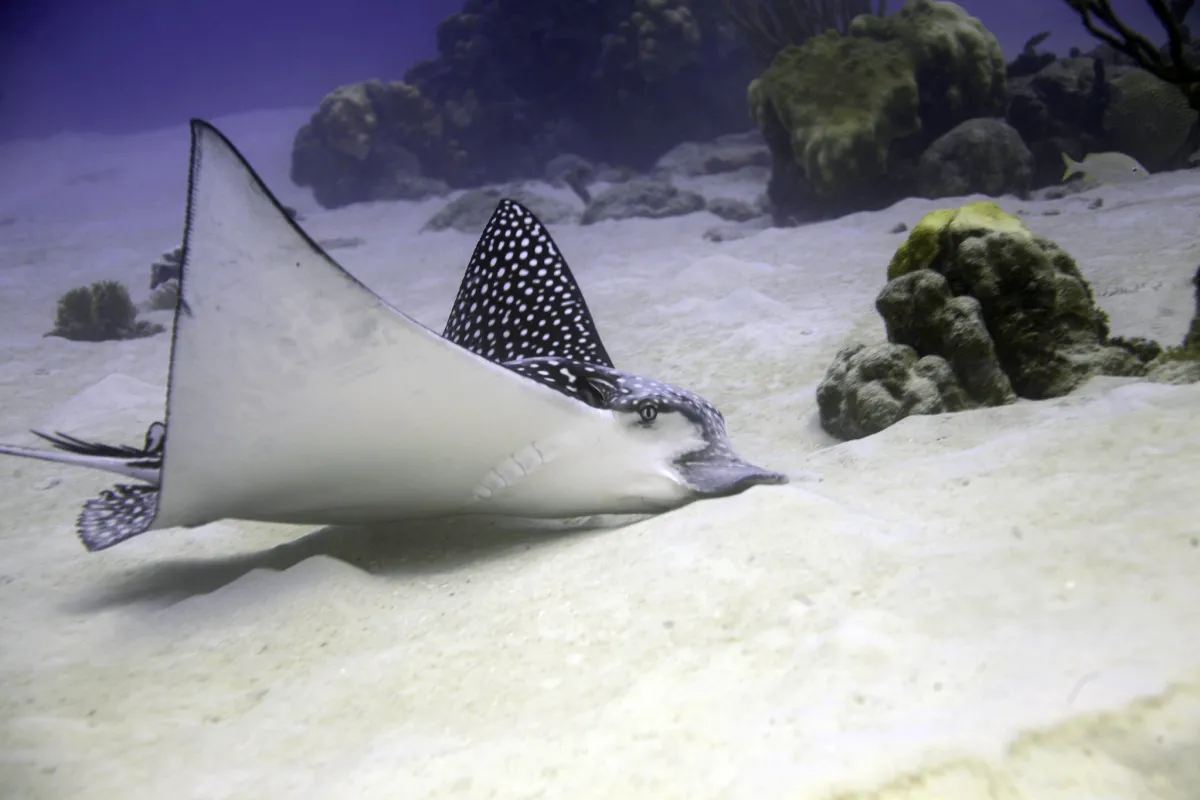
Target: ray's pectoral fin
(125,510)
(327,405)
(117,514)
(716,474)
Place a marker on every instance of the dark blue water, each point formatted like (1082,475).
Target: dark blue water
(124,65)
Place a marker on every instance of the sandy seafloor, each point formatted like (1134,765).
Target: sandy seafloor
(993,604)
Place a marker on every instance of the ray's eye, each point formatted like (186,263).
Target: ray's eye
(648,412)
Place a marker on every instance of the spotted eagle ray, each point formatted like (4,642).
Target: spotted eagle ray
(296,394)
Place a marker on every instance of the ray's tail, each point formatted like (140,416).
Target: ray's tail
(118,513)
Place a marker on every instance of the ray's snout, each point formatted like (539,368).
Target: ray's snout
(723,477)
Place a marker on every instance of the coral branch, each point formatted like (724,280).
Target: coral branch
(1177,70)
(771,25)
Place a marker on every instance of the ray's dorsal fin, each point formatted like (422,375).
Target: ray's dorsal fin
(519,300)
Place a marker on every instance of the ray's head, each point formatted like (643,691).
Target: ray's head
(680,430)
(655,447)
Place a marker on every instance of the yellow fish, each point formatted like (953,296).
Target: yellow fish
(1105,168)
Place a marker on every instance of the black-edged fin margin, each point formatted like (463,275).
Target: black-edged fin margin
(200,131)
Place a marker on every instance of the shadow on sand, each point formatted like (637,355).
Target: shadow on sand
(387,551)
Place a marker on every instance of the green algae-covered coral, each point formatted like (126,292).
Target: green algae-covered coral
(979,311)
(1047,332)
(835,104)
(100,312)
(960,63)
(924,242)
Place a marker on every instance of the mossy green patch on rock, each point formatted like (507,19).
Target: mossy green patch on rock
(922,245)
(838,102)
(1048,333)
(837,110)
(960,62)
(924,242)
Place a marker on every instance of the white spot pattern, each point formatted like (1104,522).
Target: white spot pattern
(125,510)
(519,300)
(614,390)
(117,514)
(712,469)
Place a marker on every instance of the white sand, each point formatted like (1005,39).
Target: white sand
(999,604)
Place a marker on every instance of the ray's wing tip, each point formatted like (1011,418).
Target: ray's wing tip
(205,135)
(115,515)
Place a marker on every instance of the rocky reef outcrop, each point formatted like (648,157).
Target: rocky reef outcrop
(515,85)
(920,103)
(982,155)
(979,311)
(871,387)
(847,115)
(1059,108)
(651,199)
(1098,102)
(1150,120)
(915,103)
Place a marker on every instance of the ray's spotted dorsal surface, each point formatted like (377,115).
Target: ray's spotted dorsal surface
(519,299)
(328,406)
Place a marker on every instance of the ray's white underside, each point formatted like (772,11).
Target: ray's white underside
(298,395)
